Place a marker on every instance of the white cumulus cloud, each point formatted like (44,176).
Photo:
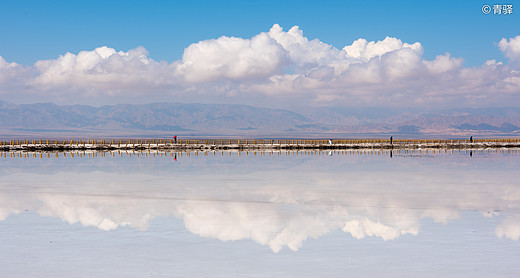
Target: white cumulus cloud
(233,58)
(284,65)
(12,74)
(362,49)
(102,70)
(302,52)
(511,48)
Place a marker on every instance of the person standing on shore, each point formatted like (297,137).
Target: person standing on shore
(175,139)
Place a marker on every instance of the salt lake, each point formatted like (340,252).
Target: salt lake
(260,214)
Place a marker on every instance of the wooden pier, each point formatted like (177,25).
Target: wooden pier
(252,144)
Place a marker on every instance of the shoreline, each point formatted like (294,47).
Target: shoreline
(252,145)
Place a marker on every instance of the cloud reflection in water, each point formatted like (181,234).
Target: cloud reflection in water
(278,201)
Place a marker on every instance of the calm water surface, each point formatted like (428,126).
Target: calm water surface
(264,215)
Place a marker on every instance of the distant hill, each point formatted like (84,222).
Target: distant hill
(154,118)
(165,119)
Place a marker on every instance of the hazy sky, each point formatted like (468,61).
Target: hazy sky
(265,53)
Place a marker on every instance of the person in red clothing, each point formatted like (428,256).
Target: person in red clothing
(175,138)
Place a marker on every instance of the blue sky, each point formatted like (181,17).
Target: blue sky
(35,31)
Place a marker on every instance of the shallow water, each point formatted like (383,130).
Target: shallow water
(339,214)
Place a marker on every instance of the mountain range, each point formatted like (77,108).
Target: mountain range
(232,120)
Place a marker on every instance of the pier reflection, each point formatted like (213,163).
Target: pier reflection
(170,153)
